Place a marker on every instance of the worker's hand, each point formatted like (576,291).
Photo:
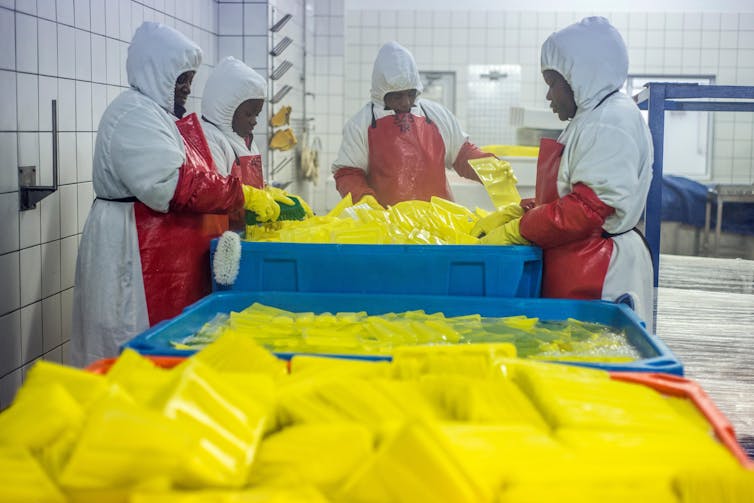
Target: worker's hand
(262,203)
(279,195)
(528,203)
(506,234)
(496,219)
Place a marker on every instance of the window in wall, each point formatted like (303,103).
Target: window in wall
(688,135)
(440,87)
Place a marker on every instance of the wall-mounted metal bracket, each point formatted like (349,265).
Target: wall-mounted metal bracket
(281,46)
(280,94)
(29,193)
(281,69)
(281,22)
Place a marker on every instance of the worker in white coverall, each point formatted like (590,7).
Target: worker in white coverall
(398,146)
(231,103)
(592,183)
(144,251)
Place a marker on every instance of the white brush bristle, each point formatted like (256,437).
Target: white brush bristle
(227,258)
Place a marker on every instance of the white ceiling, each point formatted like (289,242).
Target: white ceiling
(560,5)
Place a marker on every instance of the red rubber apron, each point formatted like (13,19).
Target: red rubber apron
(575,270)
(248,169)
(174,246)
(406,159)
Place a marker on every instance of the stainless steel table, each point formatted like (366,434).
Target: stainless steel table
(719,195)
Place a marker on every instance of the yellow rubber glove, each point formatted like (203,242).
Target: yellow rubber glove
(498,179)
(506,234)
(279,195)
(496,219)
(261,202)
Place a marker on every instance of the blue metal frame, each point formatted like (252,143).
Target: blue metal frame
(656,99)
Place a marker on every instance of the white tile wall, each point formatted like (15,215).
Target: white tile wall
(7,39)
(45,158)
(45,9)
(66,51)
(50,253)
(99,103)
(26,54)
(82,14)
(67,158)
(48,91)
(10,294)
(73,51)
(32,343)
(27,97)
(66,105)
(83,106)
(9,225)
(31,279)
(84,153)
(97,16)
(48,47)
(50,218)
(8,169)
(10,339)
(83,55)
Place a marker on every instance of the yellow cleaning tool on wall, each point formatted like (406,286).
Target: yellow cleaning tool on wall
(498,178)
(281,117)
(283,139)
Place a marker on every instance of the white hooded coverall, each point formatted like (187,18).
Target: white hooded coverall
(231,83)
(607,148)
(407,164)
(140,159)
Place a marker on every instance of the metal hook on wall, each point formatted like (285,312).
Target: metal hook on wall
(29,193)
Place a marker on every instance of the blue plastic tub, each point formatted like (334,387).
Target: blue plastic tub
(655,355)
(487,271)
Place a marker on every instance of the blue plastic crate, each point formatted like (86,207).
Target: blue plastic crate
(488,271)
(655,355)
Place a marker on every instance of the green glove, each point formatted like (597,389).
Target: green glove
(506,234)
(497,218)
(261,203)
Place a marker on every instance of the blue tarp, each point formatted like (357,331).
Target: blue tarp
(683,200)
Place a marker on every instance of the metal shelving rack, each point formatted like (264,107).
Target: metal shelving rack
(277,91)
(659,97)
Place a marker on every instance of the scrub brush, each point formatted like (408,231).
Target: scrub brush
(295,211)
(227,258)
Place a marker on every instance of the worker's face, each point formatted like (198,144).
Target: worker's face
(183,87)
(560,95)
(400,101)
(245,117)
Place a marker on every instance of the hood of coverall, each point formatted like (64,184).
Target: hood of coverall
(157,56)
(394,70)
(230,84)
(592,57)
